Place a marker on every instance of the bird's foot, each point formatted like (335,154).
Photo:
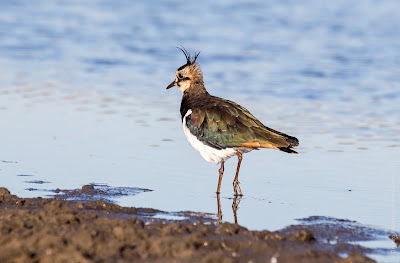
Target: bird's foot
(236,202)
(235,206)
(236,188)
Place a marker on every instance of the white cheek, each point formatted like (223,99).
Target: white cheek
(184,85)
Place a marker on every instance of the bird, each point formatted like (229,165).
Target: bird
(219,128)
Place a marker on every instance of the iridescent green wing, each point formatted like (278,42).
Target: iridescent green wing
(263,134)
(210,126)
(223,123)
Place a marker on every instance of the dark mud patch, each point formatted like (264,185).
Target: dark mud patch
(24,175)
(3,161)
(37,182)
(101,197)
(396,239)
(327,229)
(56,230)
(31,189)
(97,192)
(343,234)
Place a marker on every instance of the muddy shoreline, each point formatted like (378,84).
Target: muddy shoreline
(59,230)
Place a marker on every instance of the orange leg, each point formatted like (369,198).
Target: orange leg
(236,186)
(221,172)
(235,206)
(219,209)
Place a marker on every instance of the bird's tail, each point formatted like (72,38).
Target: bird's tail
(293,141)
(269,138)
(287,149)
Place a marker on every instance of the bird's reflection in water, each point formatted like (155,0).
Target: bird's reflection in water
(235,206)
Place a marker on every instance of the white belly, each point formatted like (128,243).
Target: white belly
(210,154)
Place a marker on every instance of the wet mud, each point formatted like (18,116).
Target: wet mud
(59,230)
(99,192)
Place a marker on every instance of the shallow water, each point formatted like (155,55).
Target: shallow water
(83,100)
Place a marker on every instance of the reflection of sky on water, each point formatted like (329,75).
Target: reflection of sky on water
(83,100)
(69,144)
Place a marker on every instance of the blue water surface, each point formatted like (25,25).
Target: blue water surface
(83,100)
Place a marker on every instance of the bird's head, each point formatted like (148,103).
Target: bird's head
(188,74)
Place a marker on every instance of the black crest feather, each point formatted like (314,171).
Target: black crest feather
(189,59)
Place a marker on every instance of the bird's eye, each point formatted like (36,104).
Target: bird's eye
(180,75)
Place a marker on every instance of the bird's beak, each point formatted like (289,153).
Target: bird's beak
(171,85)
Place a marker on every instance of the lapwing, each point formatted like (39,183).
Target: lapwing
(218,128)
